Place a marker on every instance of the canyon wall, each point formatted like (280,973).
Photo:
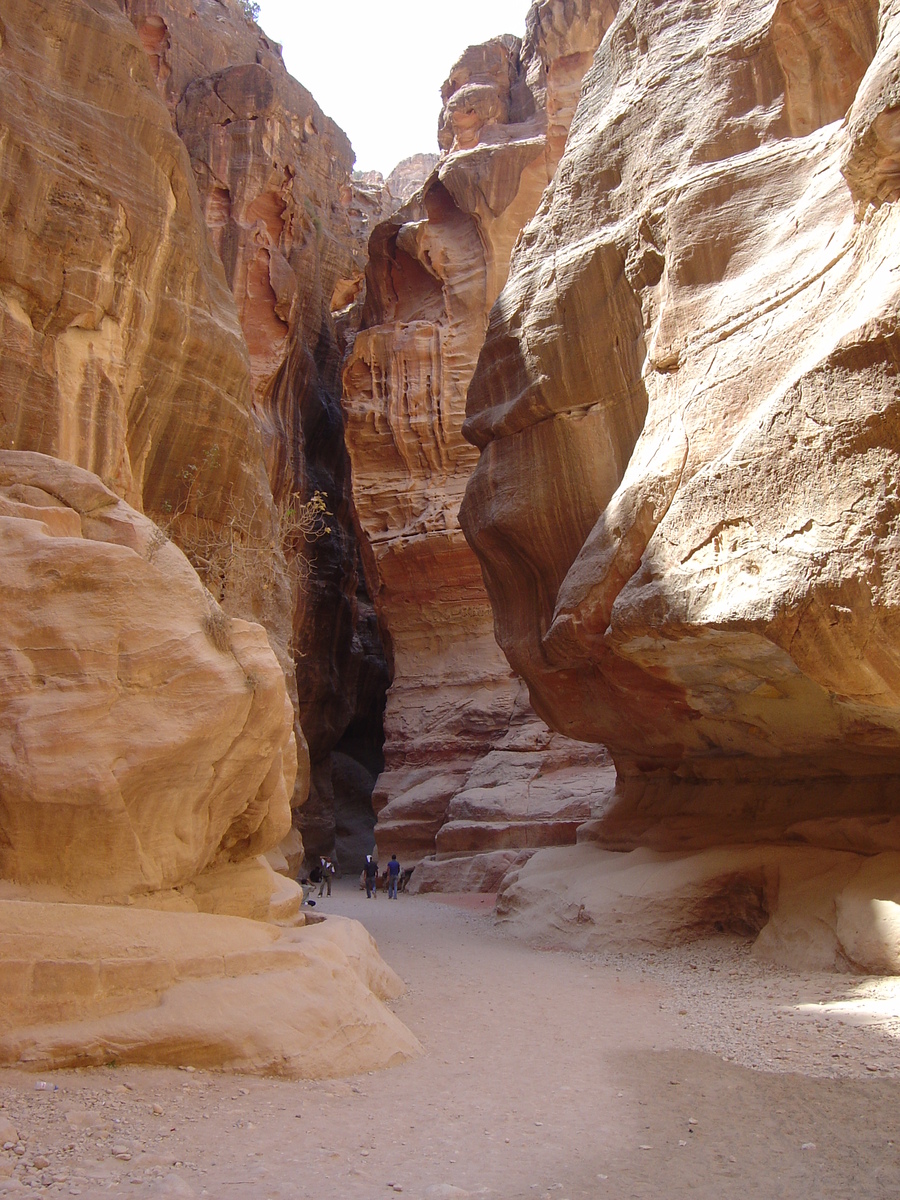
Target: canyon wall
(687,415)
(467,761)
(147,747)
(291,228)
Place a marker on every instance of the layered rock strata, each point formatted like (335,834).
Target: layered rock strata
(805,908)
(146,745)
(455,725)
(273,173)
(121,348)
(122,352)
(88,986)
(694,364)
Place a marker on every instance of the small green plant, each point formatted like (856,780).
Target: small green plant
(250,9)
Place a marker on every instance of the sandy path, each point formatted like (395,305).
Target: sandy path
(547,1075)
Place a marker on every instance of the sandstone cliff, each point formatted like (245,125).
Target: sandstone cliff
(121,348)
(461,746)
(273,174)
(147,754)
(694,366)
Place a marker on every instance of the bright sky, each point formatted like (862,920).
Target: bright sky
(376,66)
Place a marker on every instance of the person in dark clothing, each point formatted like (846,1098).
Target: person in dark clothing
(393,877)
(327,869)
(371,873)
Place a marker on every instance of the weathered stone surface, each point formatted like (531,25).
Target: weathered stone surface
(408,176)
(273,174)
(435,268)
(807,909)
(483,872)
(147,755)
(85,985)
(145,736)
(694,366)
(121,348)
(146,744)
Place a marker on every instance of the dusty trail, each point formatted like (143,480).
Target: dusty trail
(546,1075)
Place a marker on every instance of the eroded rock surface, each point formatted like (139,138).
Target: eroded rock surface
(146,736)
(147,759)
(694,365)
(435,269)
(85,986)
(273,173)
(807,909)
(148,752)
(122,352)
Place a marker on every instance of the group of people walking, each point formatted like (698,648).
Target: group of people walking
(324,871)
(370,876)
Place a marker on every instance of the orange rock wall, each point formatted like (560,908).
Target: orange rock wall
(290,227)
(121,349)
(694,364)
(436,267)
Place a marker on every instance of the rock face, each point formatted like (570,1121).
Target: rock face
(694,364)
(146,736)
(121,348)
(147,754)
(456,723)
(408,176)
(273,174)
(86,986)
(807,909)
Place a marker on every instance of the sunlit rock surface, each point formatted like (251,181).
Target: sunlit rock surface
(435,269)
(121,349)
(146,736)
(147,759)
(147,754)
(90,985)
(694,364)
(806,909)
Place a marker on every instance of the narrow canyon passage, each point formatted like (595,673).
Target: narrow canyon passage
(545,1074)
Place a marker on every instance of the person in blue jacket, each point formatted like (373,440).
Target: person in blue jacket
(393,877)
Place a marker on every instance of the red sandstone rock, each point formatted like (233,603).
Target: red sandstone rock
(146,736)
(291,229)
(435,269)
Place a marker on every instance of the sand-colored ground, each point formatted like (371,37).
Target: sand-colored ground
(547,1075)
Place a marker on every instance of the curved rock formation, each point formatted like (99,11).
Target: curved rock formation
(146,746)
(121,348)
(435,268)
(87,986)
(273,174)
(146,736)
(694,364)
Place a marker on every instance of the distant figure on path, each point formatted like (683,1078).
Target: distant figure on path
(371,873)
(393,877)
(327,874)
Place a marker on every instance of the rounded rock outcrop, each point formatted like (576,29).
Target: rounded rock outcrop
(145,736)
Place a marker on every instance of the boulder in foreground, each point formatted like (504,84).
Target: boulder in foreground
(88,985)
